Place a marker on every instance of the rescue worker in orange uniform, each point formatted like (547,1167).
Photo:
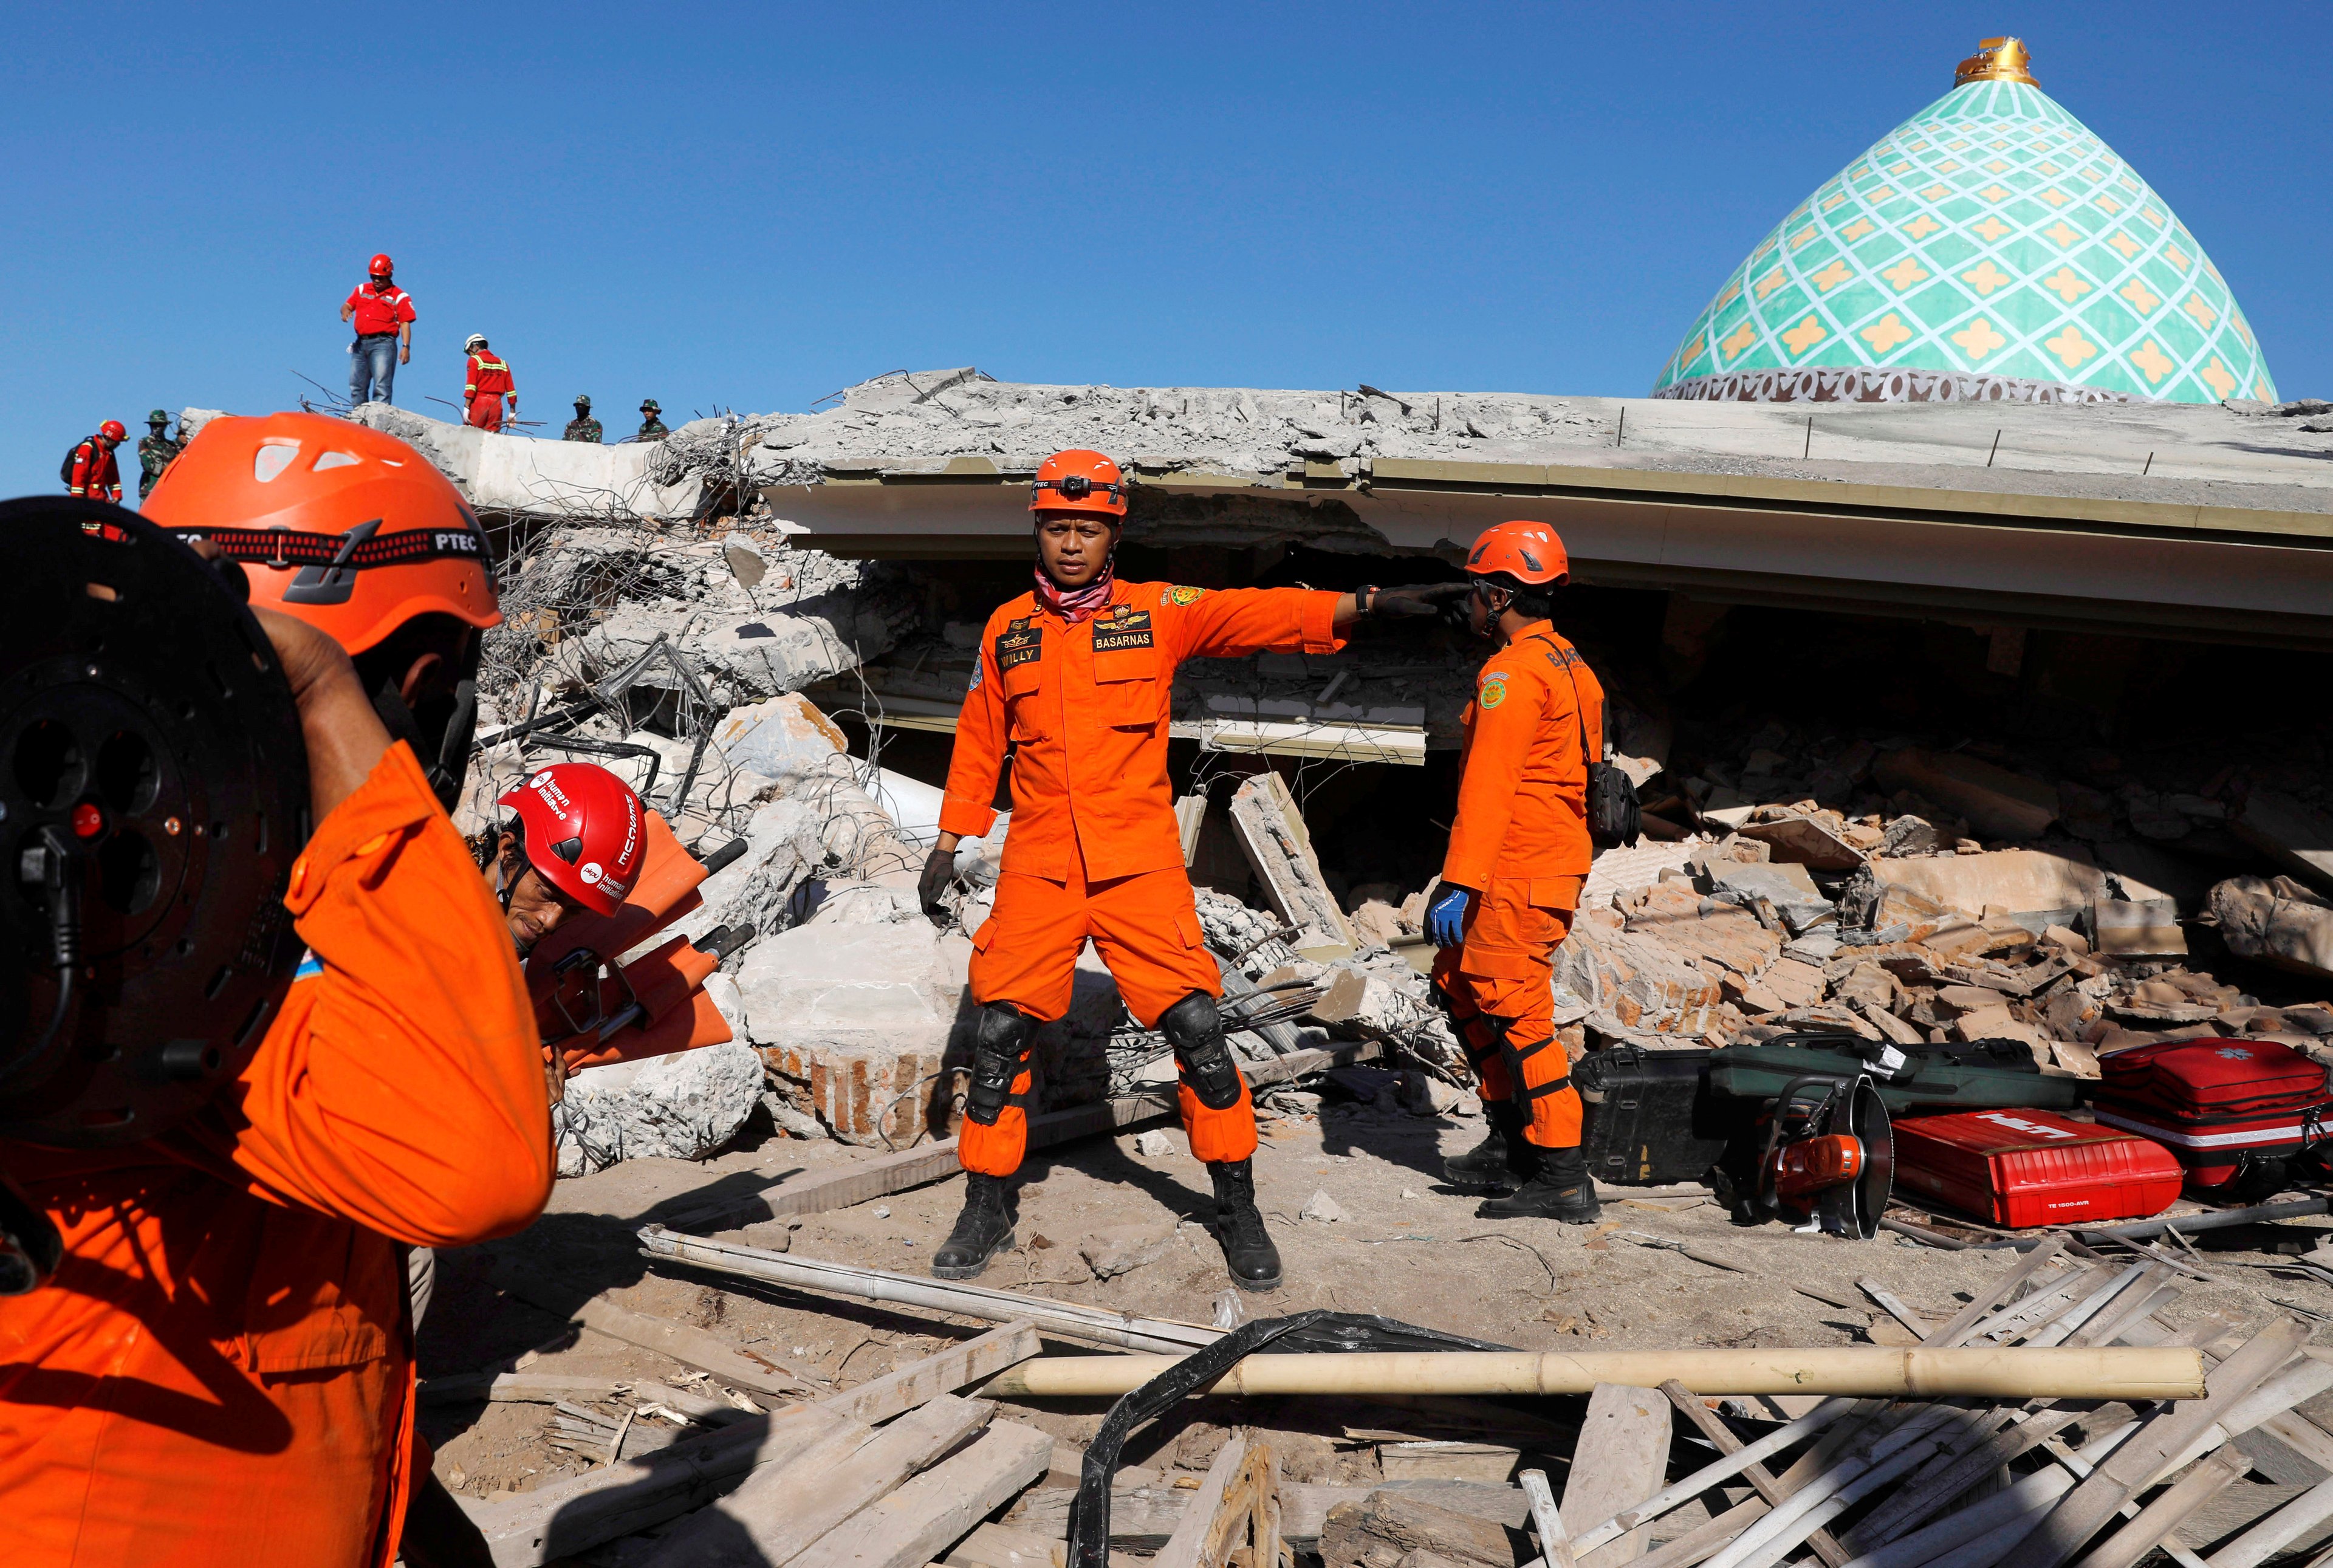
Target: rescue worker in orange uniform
(222,1370)
(486,386)
(1076,677)
(1519,854)
(287,496)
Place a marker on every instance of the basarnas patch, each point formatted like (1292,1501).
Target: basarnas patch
(1494,689)
(1124,627)
(1181,596)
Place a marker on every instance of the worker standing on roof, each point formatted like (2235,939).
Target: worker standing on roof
(383,316)
(651,422)
(582,427)
(1076,677)
(486,386)
(89,468)
(1519,854)
(156,451)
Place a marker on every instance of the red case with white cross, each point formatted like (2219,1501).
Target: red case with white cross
(2022,1168)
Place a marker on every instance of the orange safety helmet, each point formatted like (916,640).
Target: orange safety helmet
(1080,480)
(336,524)
(1530,553)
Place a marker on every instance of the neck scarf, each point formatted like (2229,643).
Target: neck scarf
(1077,604)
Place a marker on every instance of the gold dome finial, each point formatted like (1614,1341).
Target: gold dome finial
(1997,60)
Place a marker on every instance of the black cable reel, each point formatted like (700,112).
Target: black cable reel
(153,797)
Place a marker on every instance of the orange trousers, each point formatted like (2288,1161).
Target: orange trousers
(1499,985)
(1146,930)
(487,411)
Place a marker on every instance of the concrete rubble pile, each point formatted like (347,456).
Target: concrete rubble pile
(1905,893)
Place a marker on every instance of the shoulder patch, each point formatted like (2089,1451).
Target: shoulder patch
(1494,689)
(976,678)
(1179,596)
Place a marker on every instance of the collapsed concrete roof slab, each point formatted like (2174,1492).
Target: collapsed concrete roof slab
(2215,520)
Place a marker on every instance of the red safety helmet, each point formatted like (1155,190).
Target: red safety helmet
(1530,553)
(113,430)
(336,524)
(583,831)
(1080,480)
(381,266)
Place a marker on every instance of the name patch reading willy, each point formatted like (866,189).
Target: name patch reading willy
(1019,643)
(1127,629)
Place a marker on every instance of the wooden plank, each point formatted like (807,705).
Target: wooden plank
(2281,1529)
(866,1180)
(518,1388)
(1895,1307)
(2198,1487)
(1721,1437)
(1067,1319)
(691,1347)
(2162,1439)
(1554,1541)
(1622,1458)
(1823,1415)
(782,1509)
(944,1371)
(1187,1547)
(921,1520)
(574,1515)
(997,1546)
(1964,1323)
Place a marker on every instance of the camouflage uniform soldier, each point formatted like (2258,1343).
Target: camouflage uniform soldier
(582,427)
(651,428)
(156,452)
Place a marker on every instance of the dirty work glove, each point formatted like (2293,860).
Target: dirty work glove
(1413,599)
(939,871)
(1446,918)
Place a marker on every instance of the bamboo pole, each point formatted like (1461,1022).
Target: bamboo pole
(1864,1371)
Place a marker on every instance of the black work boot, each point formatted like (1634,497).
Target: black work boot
(1248,1252)
(982,1231)
(1501,1162)
(1559,1190)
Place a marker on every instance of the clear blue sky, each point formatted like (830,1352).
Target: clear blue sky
(755,206)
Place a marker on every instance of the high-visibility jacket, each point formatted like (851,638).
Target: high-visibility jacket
(221,1372)
(489,377)
(94,472)
(1085,708)
(1522,792)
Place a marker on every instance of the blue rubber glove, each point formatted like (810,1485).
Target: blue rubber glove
(1446,918)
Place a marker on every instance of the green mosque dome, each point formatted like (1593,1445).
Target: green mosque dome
(1990,247)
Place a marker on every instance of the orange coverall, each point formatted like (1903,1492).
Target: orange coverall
(222,1371)
(1093,851)
(1520,842)
(488,383)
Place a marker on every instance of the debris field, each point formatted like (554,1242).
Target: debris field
(1869,834)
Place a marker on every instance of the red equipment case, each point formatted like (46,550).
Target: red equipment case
(2021,1168)
(2215,1103)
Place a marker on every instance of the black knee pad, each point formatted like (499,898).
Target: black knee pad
(1000,1046)
(1196,1030)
